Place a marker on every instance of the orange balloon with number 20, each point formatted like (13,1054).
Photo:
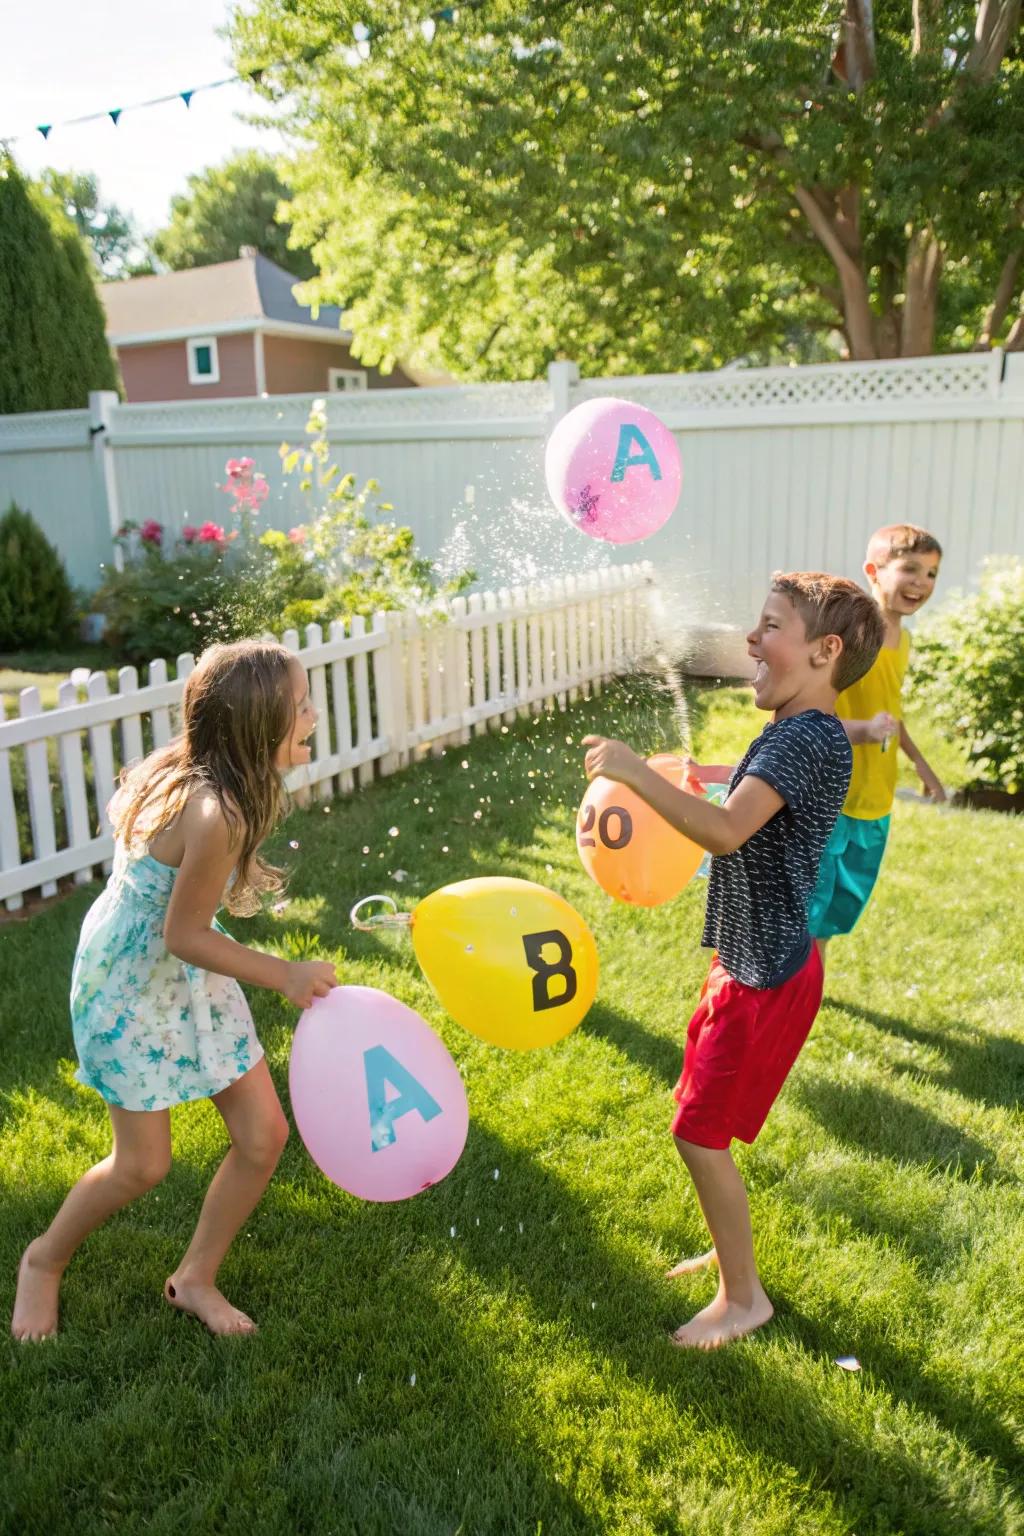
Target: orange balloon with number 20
(629,849)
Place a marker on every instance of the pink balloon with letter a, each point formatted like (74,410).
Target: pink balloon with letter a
(614,470)
(379,1102)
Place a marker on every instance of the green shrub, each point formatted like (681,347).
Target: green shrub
(163,604)
(222,584)
(36,602)
(969,668)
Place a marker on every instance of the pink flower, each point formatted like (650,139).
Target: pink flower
(189,533)
(297,535)
(249,491)
(151,532)
(211,533)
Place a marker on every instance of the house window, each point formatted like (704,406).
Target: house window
(203,363)
(346,379)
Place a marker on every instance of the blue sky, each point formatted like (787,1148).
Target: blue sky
(64,58)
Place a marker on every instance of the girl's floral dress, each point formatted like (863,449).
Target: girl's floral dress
(151,1031)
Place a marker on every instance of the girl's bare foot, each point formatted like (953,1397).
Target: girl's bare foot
(208,1304)
(723,1321)
(691,1266)
(36,1299)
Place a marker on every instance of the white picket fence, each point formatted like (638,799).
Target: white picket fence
(385,693)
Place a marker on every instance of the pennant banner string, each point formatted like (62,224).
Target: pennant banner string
(254,75)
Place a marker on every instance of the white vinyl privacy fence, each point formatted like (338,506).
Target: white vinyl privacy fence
(385,692)
(782,467)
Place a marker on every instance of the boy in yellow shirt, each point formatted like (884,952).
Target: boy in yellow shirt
(902,565)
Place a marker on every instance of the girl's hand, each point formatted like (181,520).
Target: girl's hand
(306,979)
(612,760)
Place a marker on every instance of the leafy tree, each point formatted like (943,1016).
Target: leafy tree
(110,233)
(51,319)
(228,206)
(653,187)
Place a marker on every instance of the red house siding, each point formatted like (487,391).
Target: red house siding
(295,366)
(159,371)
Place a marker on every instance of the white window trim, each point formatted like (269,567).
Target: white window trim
(344,380)
(194,377)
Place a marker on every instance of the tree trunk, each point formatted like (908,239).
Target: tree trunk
(921,288)
(1000,306)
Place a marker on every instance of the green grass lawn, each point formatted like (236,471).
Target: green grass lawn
(516,1377)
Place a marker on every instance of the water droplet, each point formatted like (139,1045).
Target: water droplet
(469,949)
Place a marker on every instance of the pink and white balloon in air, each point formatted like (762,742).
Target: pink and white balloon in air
(614,470)
(378,1101)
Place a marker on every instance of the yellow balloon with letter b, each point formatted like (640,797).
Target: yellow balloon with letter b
(512,962)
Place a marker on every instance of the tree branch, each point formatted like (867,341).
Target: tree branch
(997,23)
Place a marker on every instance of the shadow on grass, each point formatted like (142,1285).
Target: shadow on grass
(873,1121)
(344,1289)
(986,1068)
(735,1387)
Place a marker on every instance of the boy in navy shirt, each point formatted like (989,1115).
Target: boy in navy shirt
(817,634)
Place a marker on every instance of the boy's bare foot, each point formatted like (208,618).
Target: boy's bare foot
(208,1304)
(691,1266)
(35,1301)
(723,1321)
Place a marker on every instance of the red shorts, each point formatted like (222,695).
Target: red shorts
(740,1046)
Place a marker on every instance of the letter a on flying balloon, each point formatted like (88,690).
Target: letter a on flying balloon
(629,434)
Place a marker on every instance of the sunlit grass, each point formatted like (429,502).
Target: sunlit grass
(886,1194)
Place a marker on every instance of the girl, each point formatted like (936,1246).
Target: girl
(159,1017)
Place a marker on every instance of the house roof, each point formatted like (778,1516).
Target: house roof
(236,295)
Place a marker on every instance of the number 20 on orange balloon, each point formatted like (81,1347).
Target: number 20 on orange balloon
(627,848)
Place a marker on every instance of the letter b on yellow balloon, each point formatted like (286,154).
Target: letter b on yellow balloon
(512,962)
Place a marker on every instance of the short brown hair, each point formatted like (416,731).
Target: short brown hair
(897,539)
(831,605)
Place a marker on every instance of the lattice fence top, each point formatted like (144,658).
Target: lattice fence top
(946,379)
(286,414)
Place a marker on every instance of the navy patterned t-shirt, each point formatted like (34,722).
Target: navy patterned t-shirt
(758,895)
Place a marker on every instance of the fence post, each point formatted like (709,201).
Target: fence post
(389,689)
(102,405)
(562,375)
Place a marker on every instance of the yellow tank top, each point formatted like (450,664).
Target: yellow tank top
(873,785)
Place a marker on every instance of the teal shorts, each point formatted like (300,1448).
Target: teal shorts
(846,878)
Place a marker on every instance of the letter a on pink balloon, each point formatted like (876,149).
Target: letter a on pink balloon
(613,469)
(378,1100)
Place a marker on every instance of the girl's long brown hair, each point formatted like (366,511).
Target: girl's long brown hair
(237,708)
